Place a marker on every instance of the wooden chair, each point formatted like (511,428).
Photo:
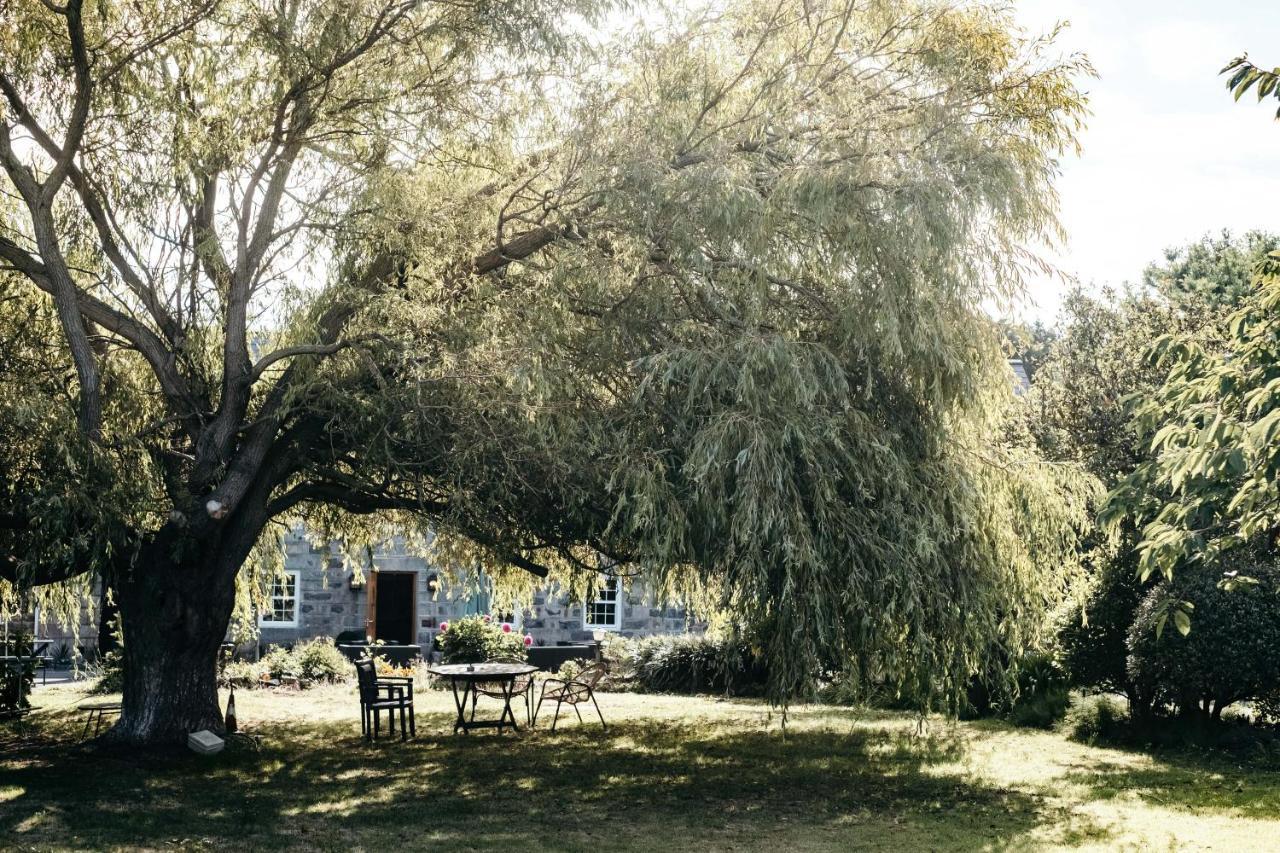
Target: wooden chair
(383,693)
(573,692)
(522,686)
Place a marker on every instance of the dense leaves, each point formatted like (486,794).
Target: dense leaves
(713,317)
(1214,272)
(1228,657)
(1211,482)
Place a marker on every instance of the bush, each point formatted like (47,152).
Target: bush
(317,660)
(16,681)
(242,673)
(476,639)
(1044,693)
(320,660)
(1230,653)
(1032,692)
(688,664)
(1094,639)
(1098,719)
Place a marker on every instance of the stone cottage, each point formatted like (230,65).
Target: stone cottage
(402,600)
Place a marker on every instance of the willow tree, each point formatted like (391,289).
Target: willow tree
(704,300)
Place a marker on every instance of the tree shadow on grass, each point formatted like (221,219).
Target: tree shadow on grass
(642,784)
(1204,783)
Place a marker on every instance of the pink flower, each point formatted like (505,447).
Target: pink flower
(506,627)
(444,626)
(487,618)
(528,640)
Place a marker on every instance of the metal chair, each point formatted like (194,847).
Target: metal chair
(573,692)
(383,693)
(522,686)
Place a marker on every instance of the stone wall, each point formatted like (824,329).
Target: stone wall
(328,605)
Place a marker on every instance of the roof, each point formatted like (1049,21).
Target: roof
(1021,379)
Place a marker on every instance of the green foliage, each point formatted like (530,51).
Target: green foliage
(1245,76)
(475,639)
(1213,271)
(320,660)
(1094,637)
(1080,398)
(1043,693)
(717,313)
(243,673)
(1210,484)
(1097,719)
(1030,342)
(16,679)
(313,661)
(1226,654)
(1080,411)
(110,673)
(110,667)
(689,663)
(1032,691)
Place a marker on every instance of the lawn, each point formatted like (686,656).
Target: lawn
(672,773)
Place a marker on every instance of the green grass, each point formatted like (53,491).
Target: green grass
(672,773)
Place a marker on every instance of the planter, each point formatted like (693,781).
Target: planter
(551,658)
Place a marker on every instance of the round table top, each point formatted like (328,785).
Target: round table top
(482,670)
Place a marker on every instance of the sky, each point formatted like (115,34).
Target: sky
(1168,155)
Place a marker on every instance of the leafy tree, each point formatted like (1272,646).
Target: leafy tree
(1080,406)
(1229,656)
(1209,485)
(1030,342)
(1079,399)
(1217,271)
(714,314)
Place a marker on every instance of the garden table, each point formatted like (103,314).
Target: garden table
(465,676)
(96,715)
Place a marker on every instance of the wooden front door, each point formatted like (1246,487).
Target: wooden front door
(393,607)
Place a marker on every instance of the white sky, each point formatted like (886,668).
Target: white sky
(1168,155)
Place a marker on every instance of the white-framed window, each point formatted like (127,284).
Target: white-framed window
(604,609)
(282,605)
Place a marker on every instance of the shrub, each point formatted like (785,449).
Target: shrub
(16,681)
(1094,639)
(309,662)
(1098,719)
(475,639)
(320,660)
(1043,693)
(688,664)
(279,662)
(1230,653)
(242,673)
(1033,691)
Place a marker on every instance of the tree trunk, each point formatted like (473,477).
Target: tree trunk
(175,605)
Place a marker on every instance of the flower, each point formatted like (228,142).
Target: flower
(506,627)
(444,626)
(528,640)
(487,618)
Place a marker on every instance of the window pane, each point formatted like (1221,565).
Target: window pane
(283,604)
(603,608)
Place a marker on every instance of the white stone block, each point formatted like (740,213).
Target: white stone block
(205,742)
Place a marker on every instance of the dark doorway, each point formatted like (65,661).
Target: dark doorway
(394,607)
